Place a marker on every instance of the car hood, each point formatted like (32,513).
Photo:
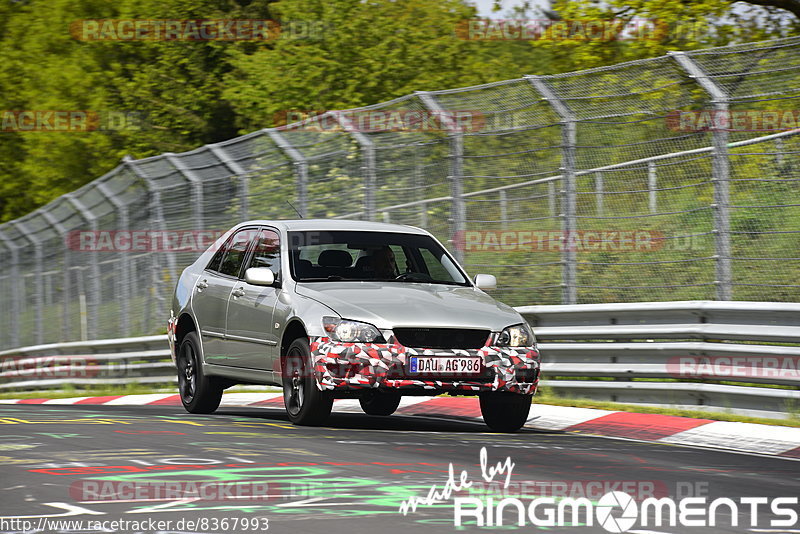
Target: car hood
(389,305)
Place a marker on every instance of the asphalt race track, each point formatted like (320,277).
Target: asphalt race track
(100,464)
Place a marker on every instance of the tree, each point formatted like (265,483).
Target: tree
(675,25)
(365,53)
(168,94)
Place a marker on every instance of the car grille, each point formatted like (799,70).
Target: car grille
(441,338)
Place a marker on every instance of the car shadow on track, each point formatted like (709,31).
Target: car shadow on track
(396,422)
(338,420)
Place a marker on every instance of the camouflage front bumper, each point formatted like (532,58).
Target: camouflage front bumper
(349,366)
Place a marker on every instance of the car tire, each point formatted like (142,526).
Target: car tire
(504,411)
(305,403)
(379,402)
(199,393)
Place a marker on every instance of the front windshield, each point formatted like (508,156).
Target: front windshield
(317,256)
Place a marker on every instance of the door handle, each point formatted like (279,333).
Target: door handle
(238,292)
(201,285)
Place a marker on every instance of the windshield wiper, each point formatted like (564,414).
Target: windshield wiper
(409,280)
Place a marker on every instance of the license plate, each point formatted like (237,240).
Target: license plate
(449,365)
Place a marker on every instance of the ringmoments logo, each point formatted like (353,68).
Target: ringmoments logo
(615,511)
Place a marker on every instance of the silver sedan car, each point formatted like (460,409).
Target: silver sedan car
(346,309)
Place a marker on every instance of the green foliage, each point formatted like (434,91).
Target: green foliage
(366,53)
(362,53)
(170,91)
(679,25)
(352,53)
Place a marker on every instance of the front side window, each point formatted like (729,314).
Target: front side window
(267,252)
(370,256)
(216,261)
(235,252)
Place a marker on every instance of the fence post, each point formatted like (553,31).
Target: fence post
(720,176)
(418,192)
(38,304)
(159,222)
(197,190)
(503,198)
(652,186)
(779,152)
(239,171)
(37,280)
(458,210)
(569,224)
(93,294)
(15,295)
(598,188)
(301,169)
(124,282)
(62,232)
(368,170)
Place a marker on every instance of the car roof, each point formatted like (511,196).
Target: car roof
(335,224)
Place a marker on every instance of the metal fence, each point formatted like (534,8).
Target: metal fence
(583,187)
(740,357)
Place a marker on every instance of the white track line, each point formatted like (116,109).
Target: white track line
(137,400)
(69,400)
(747,437)
(546,417)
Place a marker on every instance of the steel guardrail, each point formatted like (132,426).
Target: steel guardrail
(682,354)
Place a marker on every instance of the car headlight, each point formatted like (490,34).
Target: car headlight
(518,335)
(350,331)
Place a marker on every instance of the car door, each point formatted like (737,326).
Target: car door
(212,292)
(250,334)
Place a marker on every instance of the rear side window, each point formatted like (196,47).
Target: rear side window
(235,252)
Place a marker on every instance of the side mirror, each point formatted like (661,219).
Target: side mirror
(485,281)
(259,276)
